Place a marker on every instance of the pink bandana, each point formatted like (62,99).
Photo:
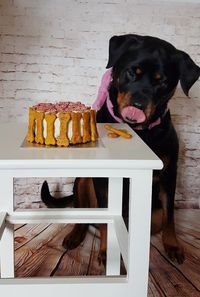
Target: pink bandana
(103,96)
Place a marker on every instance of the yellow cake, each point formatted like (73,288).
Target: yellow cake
(61,124)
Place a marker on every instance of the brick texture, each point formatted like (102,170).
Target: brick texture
(57,50)
(27,191)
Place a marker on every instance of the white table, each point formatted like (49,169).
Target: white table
(113,158)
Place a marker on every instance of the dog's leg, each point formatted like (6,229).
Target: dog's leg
(103,244)
(85,196)
(171,244)
(156,221)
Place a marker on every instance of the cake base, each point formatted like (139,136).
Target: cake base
(28,145)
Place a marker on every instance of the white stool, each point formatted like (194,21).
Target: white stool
(112,158)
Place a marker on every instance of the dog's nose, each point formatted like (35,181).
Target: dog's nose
(137,105)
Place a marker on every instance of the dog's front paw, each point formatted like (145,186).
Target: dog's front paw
(75,237)
(71,241)
(175,252)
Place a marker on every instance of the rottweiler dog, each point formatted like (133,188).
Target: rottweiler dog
(144,74)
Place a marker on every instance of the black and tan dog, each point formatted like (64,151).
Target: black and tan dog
(144,75)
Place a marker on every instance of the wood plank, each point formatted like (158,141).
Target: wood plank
(52,252)
(154,289)
(95,268)
(35,245)
(77,261)
(169,278)
(188,216)
(190,269)
(192,239)
(18,226)
(188,229)
(52,259)
(31,267)
(24,233)
(188,226)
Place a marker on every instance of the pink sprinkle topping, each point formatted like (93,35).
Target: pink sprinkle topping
(61,107)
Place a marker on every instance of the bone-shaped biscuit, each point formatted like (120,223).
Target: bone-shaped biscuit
(63,139)
(31,126)
(119,132)
(39,116)
(50,119)
(86,127)
(76,127)
(94,133)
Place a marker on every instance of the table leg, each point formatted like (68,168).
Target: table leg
(139,230)
(115,195)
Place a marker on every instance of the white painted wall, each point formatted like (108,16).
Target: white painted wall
(57,50)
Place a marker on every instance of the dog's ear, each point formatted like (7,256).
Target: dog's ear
(189,72)
(119,44)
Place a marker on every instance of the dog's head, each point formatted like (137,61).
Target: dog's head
(145,73)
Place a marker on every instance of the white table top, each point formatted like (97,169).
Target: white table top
(112,153)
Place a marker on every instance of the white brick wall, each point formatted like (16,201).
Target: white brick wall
(57,50)
(27,190)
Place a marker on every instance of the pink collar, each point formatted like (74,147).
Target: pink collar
(103,96)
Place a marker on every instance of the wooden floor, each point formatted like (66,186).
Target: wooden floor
(39,252)
(170,279)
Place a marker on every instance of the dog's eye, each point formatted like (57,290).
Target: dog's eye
(138,71)
(157,76)
(133,74)
(130,74)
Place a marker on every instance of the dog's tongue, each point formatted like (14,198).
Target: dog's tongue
(133,114)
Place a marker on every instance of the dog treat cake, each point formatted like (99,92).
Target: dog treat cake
(61,124)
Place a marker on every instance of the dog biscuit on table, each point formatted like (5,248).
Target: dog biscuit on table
(94,133)
(76,127)
(86,127)
(118,131)
(63,139)
(112,135)
(50,119)
(39,116)
(31,126)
